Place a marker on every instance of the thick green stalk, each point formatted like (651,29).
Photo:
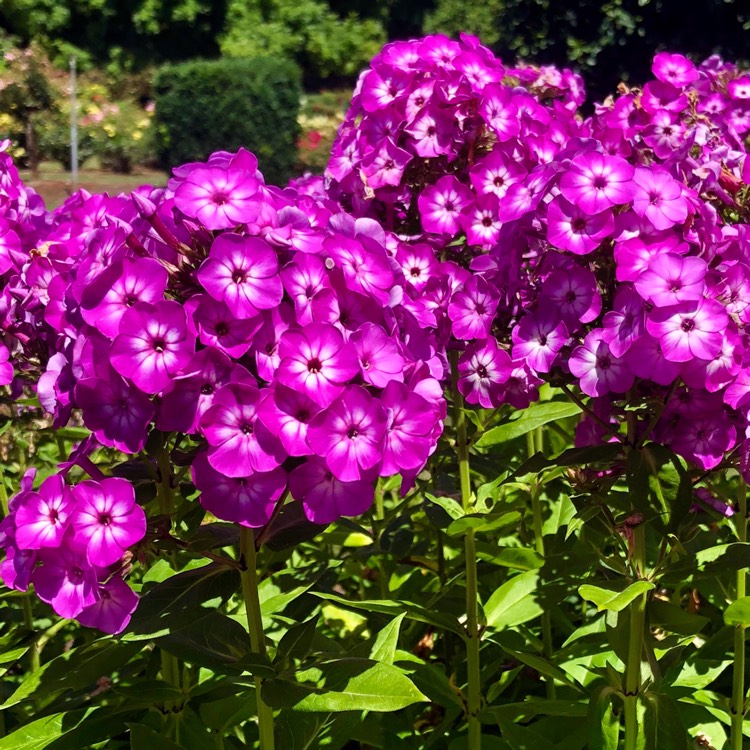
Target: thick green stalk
(635,643)
(738,710)
(249,562)
(535,443)
(28,621)
(474,687)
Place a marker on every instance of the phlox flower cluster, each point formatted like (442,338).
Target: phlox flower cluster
(609,253)
(72,544)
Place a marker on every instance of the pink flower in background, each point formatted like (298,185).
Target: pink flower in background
(440,206)
(112,610)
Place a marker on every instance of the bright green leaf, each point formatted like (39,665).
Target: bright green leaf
(514,603)
(535,416)
(614,601)
(738,612)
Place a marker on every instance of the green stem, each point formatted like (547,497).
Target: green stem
(249,561)
(738,709)
(474,687)
(635,644)
(535,443)
(28,621)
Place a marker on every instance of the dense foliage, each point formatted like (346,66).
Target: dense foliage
(209,105)
(445,450)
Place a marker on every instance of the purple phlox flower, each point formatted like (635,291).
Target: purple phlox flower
(324,498)
(499,112)
(365,266)
(10,247)
(735,291)
(42,517)
(658,198)
(598,371)
(657,96)
(432,132)
(303,278)
(120,286)
(495,174)
(409,429)
(665,134)
(441,204)
(675,69)
(521,388)
(472,310)
(478,70)
(671,279)
(539,337)
(107,520)
(17,567)
(65,580)
(239,444)
(115,604)
(378,355)
(316,361)
(247,500)
(219,198)
(418,263)
(574,293)
(6,367)
(704,438)
(571,228)
(385,166)
(153,344)
(242,272)
(720,371)
(739,88)
(524,196)
(349,434)
(439,51)
(287,413)
(217,327)
(266,341)
(192,393)
(707,498)
(626,322)
(634,255)
(690,329)
(115,411)
(380,89)
(646,360)
(480,221)
(595,182)
(483,370)
(419,95)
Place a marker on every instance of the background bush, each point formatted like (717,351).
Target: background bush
(204,106)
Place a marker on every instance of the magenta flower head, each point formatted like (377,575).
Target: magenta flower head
(240,444)
(674,69)
(671,279)
(243,273)
(539,337)
(483,369)
(441,205)
(6,367)
(65,580)
(153,345)
(595,182)
(42,517)
(691,329)
(107,520)
(658,198)
(325,498)
(116,602)
(219,198)
(287,413)
(378,355)
(247,500)
(569,227)
(472,309)
(349,434)
(598,371)
(409,429)
(316,361)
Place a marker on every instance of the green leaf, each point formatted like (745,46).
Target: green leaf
(604,725)
(532,707)
(215,642)
(543,666)
(614,601)
(520,558)
(386,643)
(451,506)
(483,523)
(36,734)
(513,603)
(669,617)
(182,598)
(297,641)
(394,608)
(75,669)
(145,738)
(695,673)
(535,416)
(663,727)
(345,685)
(738,612)
(723,557)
